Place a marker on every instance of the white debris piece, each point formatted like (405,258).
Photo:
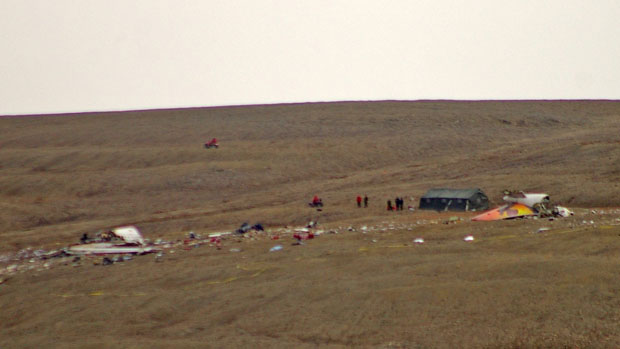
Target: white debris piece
(275,248)
(469,238)
(107,248)
(130,234)
(418,241)
(564,212)
(527,199)
(214,235)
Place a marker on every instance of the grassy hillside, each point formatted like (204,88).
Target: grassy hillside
(64,174)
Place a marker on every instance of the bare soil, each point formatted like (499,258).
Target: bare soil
(65,175)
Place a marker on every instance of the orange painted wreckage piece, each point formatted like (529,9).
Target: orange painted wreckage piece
(505,212)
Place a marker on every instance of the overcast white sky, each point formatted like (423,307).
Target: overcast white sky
(83,55)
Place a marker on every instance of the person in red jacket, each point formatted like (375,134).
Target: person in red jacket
(359,201)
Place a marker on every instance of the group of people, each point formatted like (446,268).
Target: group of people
(359,201)
(398,204)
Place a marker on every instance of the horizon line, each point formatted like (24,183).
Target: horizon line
(109,111)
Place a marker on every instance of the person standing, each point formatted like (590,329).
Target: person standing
(389,205)
(365,200)
(359,201)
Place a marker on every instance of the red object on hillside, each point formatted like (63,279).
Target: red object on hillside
(212,144)
(303,236)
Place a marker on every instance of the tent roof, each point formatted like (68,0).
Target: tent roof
(445,193)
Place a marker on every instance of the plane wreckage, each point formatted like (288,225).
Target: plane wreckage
(121,240)
(520,204)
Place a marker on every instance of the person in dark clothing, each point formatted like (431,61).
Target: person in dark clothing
(359,201)
(365,200)
(389,205)
(396,204)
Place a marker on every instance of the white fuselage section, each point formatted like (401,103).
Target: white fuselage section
(527,199)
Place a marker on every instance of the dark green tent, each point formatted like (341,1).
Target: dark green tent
(444,199)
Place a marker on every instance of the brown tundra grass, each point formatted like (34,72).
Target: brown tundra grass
(63,175)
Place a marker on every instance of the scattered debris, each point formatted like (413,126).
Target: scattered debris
(452,219)
(303,236)
(244,228)
(216,241)
(107,261)
(123,243)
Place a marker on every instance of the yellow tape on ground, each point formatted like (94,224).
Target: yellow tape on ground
(222,281)
(368,248)
(100,293)
(258,271)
